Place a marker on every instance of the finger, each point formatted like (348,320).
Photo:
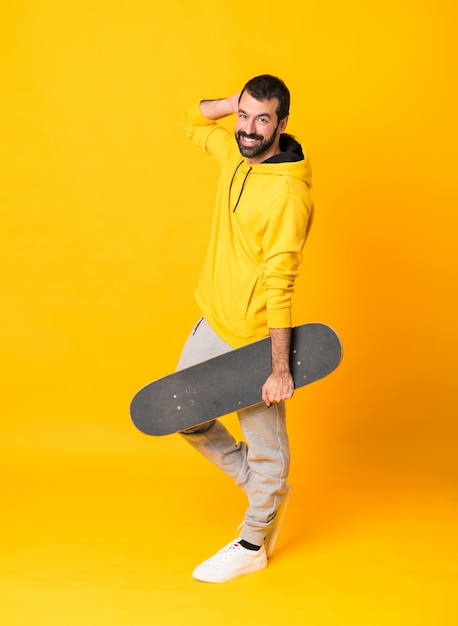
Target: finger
(265,397)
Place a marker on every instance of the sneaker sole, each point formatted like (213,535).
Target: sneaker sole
(244,572)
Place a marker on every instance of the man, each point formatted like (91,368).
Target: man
(262,215)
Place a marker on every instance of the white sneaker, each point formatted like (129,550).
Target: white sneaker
(230,562)
(274,531)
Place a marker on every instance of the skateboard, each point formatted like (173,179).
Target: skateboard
(231,381)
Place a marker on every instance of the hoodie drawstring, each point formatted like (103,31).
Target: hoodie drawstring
(243,185)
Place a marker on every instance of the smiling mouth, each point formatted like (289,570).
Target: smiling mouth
(249,140)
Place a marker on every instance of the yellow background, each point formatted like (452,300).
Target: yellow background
(105,213)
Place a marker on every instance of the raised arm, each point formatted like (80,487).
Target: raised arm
(216,109)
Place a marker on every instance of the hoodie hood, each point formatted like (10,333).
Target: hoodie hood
(291,161)
(291,150)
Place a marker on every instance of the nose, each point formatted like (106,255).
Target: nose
(250,128)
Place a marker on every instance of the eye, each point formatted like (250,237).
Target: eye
(263,120)
(242,116)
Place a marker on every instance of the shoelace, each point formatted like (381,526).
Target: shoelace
(227,552)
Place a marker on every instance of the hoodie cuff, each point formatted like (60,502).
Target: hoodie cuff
(279,318)
(195,116)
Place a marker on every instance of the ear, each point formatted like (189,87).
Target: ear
(283,124)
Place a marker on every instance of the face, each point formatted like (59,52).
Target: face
(257,129)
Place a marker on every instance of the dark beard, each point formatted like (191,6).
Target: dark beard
(263,145)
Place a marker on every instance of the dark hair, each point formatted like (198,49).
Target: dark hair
(265,87)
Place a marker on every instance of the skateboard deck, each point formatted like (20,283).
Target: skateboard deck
(231,381)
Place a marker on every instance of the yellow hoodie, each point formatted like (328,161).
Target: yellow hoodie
(261,220)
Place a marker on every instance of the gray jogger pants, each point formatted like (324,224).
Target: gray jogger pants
(261,465)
